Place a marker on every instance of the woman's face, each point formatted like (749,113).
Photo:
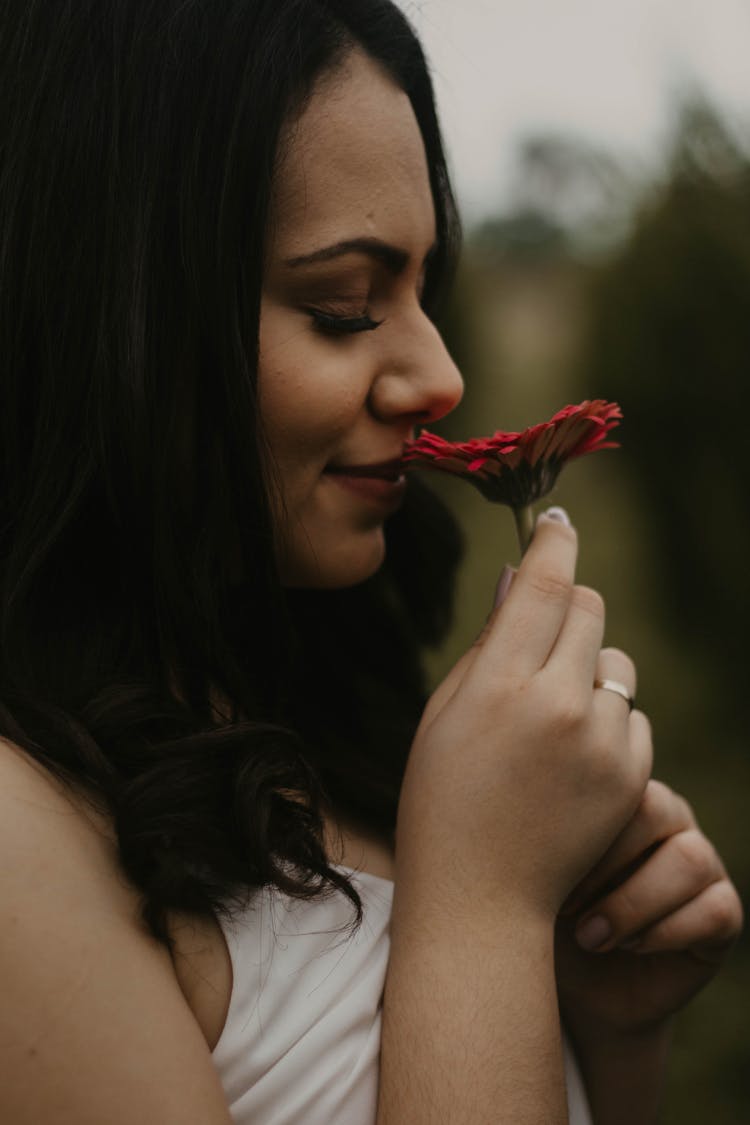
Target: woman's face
(349,362)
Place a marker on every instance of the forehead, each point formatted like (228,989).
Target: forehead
(353,164)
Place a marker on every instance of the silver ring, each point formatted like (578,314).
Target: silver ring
(618,688)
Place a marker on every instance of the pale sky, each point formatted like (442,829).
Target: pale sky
(603,69)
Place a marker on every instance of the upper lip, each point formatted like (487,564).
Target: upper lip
(373,469)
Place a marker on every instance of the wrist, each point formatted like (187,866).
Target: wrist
(470,1027)
(434,907)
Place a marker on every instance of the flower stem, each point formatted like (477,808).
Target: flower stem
(524,518)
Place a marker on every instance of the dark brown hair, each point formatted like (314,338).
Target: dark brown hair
(137,147)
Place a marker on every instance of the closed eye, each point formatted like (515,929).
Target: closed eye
(342,325)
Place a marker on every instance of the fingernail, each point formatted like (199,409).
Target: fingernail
(593,932)
(504,584)
(559,515)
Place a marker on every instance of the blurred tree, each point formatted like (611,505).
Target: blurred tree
(568,198)
(575,184)
(525,236)
(671,342)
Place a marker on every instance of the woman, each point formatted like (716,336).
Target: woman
(225,228)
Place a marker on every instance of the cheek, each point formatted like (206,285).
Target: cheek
(304,414)
(313,398)
(308,401)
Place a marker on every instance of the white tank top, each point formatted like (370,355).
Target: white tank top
(301,1041)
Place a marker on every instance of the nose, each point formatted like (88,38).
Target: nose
(419,380)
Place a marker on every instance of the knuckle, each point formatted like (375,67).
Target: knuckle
(654,799)
(550,586)
(589,600)
(724,910)
(565,713)
(570,715)
(695,852)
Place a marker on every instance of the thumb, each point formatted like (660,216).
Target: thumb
(448,687)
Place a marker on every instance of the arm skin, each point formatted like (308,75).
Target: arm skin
(471,1027)
(471,1032)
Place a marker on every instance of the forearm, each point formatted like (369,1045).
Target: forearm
(471,1030)
(624,1075)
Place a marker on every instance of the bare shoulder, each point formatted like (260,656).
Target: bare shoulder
(93,1025)
(32,799)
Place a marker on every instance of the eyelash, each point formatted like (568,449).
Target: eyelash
(342,325)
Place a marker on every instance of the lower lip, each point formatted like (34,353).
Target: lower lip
(375,489)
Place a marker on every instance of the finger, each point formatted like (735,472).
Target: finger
(575,655)
(449,685)
(661,814)
(613,664)
(626,728)
(708,926)
(520,638)
(682,867)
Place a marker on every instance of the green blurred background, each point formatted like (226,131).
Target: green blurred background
(602,284)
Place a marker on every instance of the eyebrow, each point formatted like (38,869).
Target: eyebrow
(396,260)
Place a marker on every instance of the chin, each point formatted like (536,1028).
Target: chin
(335,566)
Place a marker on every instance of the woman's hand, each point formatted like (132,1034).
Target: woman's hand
(521,773)
(520,776)
(669,914)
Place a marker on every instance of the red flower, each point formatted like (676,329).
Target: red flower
(520,468)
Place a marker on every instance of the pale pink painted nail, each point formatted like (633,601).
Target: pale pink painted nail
(504,584)
(559,515)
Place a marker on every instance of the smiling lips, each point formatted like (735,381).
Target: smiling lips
(380,470)
(382,483)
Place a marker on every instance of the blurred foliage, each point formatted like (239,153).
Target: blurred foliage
(568,197)
(671,342)
(528,234)
(594,285)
